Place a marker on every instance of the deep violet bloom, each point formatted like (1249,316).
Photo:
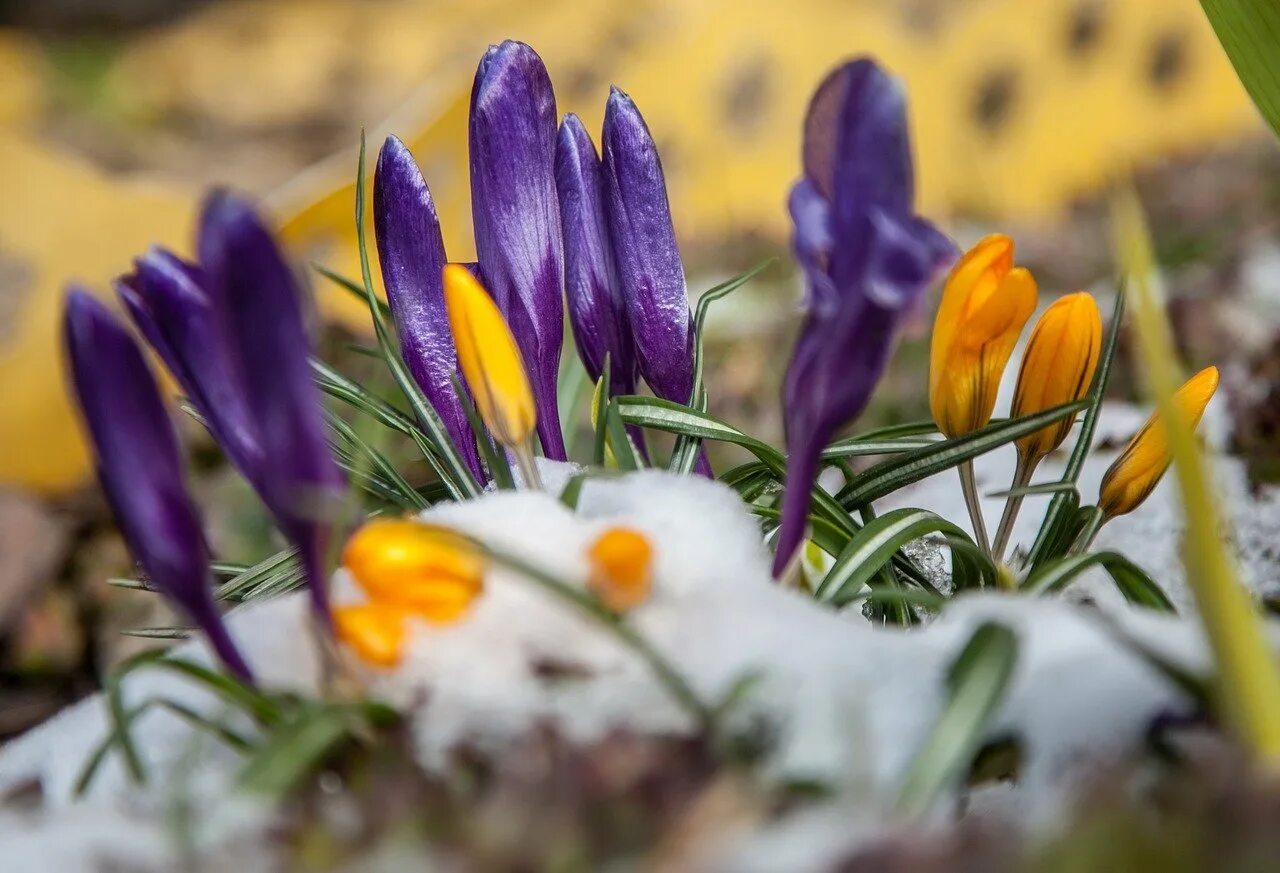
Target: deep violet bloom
(140,465)
(867,260)
(259,306)
(647,259)
(597,311)
(167,300)
(411,250)
(645,255)
(516,215)
(231,331)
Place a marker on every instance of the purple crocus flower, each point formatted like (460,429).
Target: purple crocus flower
(258,303)
(649,268)
(167,300)
(647,259)
(140,466)
(597,311)
(517,216)
(411,250)
(867,259)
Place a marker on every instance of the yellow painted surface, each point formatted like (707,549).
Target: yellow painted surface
(1018,107)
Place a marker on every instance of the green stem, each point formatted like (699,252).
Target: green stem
(969,485)
(1088,533)
(666,674)
(1021,478)
(528,467)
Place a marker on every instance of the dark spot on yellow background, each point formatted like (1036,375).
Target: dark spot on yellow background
(995,98)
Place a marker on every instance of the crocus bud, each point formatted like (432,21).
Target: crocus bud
(140,466)
(647,258)
(169,302)
(867,259)
(985,304)
(517,216)
(489,358)
(376,632)
(1057,368)
(422,568)
(597,310)
(621,568)
(411,251)
(1136,472)
(258,300)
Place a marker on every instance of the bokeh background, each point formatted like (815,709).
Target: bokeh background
(115,115)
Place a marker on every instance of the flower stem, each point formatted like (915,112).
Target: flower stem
(969,485)
(528,468)
(1021,477)
(1088,533)
(663,670)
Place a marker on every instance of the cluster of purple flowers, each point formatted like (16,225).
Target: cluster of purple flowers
(554,221)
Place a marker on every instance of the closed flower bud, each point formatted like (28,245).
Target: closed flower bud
(420,568)
(1136,472)
(985,304)
(621,568)
(1057,368)
(489,358)
(374,631)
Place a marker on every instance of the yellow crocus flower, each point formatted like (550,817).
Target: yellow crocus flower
(1057,368)
(621,568)
(1135,473)
(374,631)
(408,569)
(489,358)
(985,304)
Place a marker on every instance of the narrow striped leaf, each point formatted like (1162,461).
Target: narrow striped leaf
(671,417)
(495,459)
(1137,587)
(976,685)
(623,451)
(910,467)
(599,407)
(874,546)
(685,454)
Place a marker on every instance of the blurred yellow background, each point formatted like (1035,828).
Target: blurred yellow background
(107,137)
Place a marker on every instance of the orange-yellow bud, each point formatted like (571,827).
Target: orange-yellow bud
(985,304)
(1135,473)
(489,358)
(374,631)
(621,568)
(421,568)
(1057,368)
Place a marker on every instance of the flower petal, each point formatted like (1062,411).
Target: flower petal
(411,251)
(259,303)
(644,246)
(140,465)
(517,215)
(597,311)
(167,299)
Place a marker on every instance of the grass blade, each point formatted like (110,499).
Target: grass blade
(910,467)
(1132,581)
(976,684)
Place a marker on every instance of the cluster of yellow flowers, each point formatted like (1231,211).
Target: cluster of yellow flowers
(986,302)
(410,569)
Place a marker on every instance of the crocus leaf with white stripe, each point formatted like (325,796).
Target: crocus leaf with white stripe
(976,685)
(1131,580)
(910,467)
(874,546)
